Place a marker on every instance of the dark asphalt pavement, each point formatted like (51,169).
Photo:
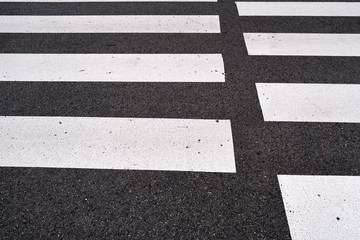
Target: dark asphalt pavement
(38,203)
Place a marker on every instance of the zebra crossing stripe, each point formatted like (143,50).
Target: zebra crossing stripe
(112,67)
(282,102)
(302,44)
(117,143)
(330,9)
(321,207)
(111,24)
(108,0)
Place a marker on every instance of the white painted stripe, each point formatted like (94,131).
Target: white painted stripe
(111,24)
(108,0)
(302,44)
(335,9)
(310,102)
(117,143)
(112,67)
(322,207)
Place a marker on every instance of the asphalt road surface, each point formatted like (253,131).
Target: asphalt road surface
(242,201)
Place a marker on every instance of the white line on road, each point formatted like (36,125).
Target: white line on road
(117,143)
(302,44)
(111,24)
(322,207)
(112,67)
(335,9)
(108,0)
(310,102)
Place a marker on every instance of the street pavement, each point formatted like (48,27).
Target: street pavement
(293,176)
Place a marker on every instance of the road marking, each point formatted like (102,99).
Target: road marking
(108,0)
(111,24)
(334,9)
(284,102)
(322,207)
(302,44)
(112,67)
(117,143)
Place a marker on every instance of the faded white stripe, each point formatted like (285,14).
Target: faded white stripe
(335,9)
(302,44)
(112,67)
(111,24)
(310,102)
(117,143)
(322,207)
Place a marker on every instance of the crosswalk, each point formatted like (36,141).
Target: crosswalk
(316,207)
(123,67)
(139,144)
(321,207)
(325,9)
(113,67)
(303,44)
(310,102)
(110,24)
